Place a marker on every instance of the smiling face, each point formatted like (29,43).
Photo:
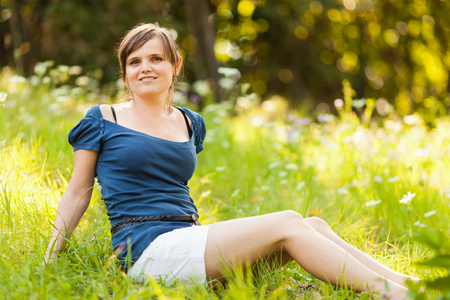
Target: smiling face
(148,71)
(146,54)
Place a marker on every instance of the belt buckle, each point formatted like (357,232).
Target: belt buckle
(195,219)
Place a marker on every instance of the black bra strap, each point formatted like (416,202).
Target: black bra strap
(187,122)
(114,114)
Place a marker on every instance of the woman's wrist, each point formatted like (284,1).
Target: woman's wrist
(50,257)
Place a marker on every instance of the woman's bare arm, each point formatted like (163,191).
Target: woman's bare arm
(74,201)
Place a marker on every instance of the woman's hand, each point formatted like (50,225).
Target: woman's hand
(50,257)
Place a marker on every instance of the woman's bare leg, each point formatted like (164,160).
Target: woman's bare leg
(248,239)
(271,263)
(324,229)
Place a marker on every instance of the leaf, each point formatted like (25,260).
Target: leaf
(442,284)
(442,261)
(415,289)
(433,239)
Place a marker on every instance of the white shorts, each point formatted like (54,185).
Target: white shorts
(178,254)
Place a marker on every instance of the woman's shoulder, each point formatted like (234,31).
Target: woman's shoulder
(94,112)
(199,126)
(99,113)
(195,117)
(86,134)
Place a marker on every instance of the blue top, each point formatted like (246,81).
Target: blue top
(140,175)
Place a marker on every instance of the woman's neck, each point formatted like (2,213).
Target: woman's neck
(156,108)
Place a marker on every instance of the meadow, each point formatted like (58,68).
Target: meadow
(258,158)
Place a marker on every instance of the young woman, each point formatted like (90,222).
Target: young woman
(143,152)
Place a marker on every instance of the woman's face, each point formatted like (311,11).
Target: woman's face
(149,72)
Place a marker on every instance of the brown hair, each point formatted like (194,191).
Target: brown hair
(135,39)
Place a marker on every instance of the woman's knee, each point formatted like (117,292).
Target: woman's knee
(317,223)
(290,215)
(286,218)
(293,224)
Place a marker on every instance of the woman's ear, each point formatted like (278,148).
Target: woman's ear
(179,65)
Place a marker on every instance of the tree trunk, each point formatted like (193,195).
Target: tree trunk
(16,35)
(197,13)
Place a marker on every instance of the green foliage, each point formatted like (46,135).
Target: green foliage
(259,158)
(439,242)
(302,50)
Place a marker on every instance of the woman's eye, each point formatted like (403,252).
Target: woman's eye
(134,62)
(157,59)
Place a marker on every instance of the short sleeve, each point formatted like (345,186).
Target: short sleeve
(200,134)
(199,127)
(87,133)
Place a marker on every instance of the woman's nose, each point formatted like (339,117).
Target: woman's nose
(146,66)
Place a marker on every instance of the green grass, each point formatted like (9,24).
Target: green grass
(254,162)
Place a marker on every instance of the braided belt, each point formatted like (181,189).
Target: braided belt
(137,220)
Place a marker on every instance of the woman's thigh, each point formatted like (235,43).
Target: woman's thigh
(245,240)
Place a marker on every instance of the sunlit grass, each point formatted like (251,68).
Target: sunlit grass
(254,162)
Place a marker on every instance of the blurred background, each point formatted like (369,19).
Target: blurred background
(333,108)
(395,52)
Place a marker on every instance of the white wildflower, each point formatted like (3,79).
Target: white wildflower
(75,70)
(412,120)
(205,194)
(378,178)
(291,166)
(393,179)
(342,191)
(17,79)
(220,169)
(430,213)
(82,81)
(301,185)
(46,80)
(407,198)
(419,224)
(274,165)
(282,174)
(372,203)
(3,96)
(446,192)
(265,188)
(40,68)
(421,152)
